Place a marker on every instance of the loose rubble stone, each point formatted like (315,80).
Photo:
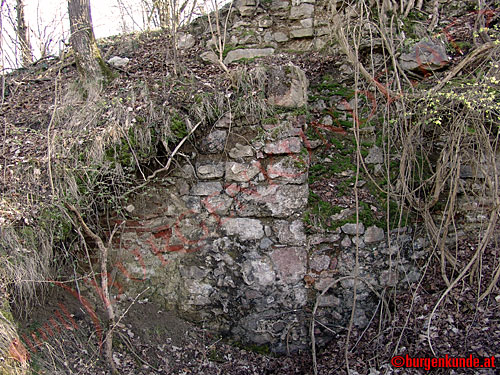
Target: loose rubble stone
(265,22)
(425,56)
(344,214)
(321,31)
(182,186)
(258,272)
(289,199)
(319,263)
(346,242)
(290,233)
(323,238)
(374,234)
(288,170)
(225,121)
(241,151)
(307,23)
(358,241)
(375,156)
(118,62)
(210,57)
(199,293)
(287,86)
(193,272)
(241,172)
(350,228)
(284,146)
(246,229)
(247,53)
(466,171)
(210,170)
(192,203)
(305,32)
(412,277)
(328,300)
(214,142)
(206,188)
(301,11)
(327,120)
(268,37)
(280,37)
(290,263)
(245,7)
(186,171)
(388,278)
(265,243)
(185,41)
(280,4)
(218,204)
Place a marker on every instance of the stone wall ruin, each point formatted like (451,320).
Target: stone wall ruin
(222,241)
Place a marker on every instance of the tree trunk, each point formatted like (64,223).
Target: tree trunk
(88,57)
(2,58)
(163,9)
(23,35)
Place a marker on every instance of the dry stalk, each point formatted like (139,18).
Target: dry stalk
(435,15)
(49,129)
(351,56)
(316,305)
(216,32)
(356,196)
(482,246)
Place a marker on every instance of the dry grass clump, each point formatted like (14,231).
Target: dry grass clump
(13,355)
(26,265)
